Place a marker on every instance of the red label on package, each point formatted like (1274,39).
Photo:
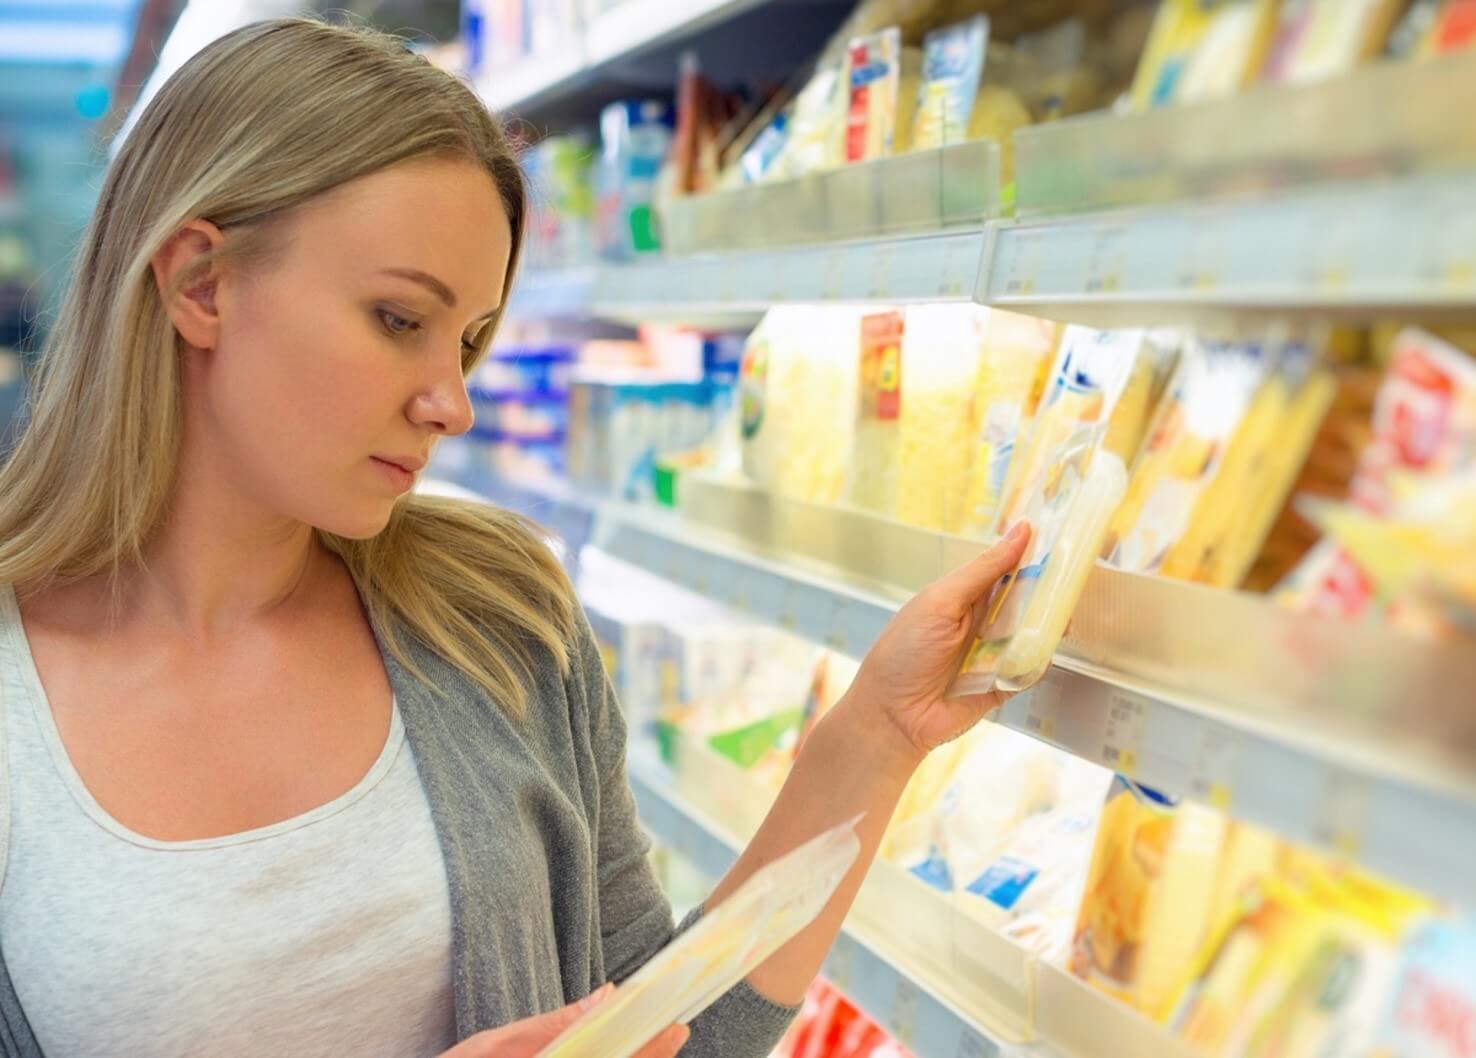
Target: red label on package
(881,367)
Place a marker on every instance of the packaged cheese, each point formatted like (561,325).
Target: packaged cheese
(798,385)
(873,471)
(1317,39)
(1179,28)
(1066,485)
(1430,1011)
(729,942)
(1149,896)
(1015,354)
(1230,53)
(1425,425)
(940,362)
(1204,406)
(953,61)
(873,79)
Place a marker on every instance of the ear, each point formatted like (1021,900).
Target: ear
(192,306)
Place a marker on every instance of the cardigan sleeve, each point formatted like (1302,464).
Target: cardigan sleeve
(635,916)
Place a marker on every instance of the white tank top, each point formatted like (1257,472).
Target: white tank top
(324,935)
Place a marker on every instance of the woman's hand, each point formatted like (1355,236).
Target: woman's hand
(905,676)
(524,1039)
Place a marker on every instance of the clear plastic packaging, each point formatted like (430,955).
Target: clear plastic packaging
(729,942)
(953,62)
(1067,485)
(941,354)
(873,471)
(873,80)
(798,384)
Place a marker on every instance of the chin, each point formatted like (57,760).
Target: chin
(361,524)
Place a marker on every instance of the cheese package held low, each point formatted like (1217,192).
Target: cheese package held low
(723,948)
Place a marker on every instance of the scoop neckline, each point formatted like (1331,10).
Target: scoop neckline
(35,692)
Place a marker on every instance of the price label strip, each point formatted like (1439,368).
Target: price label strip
(1122,738)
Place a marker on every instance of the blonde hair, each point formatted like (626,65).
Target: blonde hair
(255,125)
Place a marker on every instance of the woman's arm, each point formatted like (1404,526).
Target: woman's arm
(861,755)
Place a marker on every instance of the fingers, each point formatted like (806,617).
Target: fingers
(667,1044)
(562,1018)
(966,585)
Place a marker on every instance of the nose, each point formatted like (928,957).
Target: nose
(443,406)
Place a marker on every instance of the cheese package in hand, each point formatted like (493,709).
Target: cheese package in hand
(729,942)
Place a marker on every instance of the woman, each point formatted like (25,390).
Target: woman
(296,762)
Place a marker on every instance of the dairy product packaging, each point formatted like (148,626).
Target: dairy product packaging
(1067,485)
(727,944)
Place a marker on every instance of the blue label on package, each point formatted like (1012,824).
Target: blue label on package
(1004,882)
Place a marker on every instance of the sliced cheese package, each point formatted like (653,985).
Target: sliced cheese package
(1149,896)
(1179,27)
(1031,890)
(1230,53)
(1424,426)
(798,384)
(953,62)
(723,948)
(872,485)
(1317,39)
(1066,484)
(1015,354)
(1205,404)
(940,362)
(873,80)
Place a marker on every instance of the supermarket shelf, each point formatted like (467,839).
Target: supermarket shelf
(633,48)
(531,79)
(553,293)
(1388,120)
(741,285)
(1362,251)
(1330,734)
(904,1005)
(950,187)
(932,974)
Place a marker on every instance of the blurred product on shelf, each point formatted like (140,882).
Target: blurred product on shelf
(829,1026)
(635,136)
(798,389)
(1002,824)
(1240,943)
(1431,1011)
(953,62)
(636,408)
(560,171)
(1409,503)
(873,84)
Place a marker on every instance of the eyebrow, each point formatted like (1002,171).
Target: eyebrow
(431,283)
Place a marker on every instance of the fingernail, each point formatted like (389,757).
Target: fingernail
(1017,530)
(596,997)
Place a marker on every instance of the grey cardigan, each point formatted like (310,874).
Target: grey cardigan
(551,891)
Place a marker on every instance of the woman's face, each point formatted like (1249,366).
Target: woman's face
(338,364)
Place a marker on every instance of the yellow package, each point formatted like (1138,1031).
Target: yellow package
(1293,403)
(940,357)
(1149,896)
(798,389)
(1178,29)
(873,79)
(1231,52)
(873,470)
(1205,405)
(1015,354)
(1317,39)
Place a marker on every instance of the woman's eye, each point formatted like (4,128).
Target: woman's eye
(395,324)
